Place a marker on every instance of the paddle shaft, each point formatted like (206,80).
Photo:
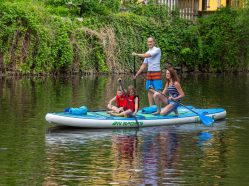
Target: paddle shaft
(97,110)
(128,101)
(184,106)
(176,102)
(134,65)
(206,120)
(181,104)
(134,71)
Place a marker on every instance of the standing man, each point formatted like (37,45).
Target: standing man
(152,64)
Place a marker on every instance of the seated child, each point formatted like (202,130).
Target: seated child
(131,104)
(120,102)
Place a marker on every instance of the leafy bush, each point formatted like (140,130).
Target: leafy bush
(47,36)
(32,40)
(222,34)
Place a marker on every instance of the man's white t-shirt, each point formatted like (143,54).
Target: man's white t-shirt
(153,61)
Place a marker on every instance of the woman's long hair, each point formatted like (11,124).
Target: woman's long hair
(173,75)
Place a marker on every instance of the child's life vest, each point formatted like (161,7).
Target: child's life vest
(120,101)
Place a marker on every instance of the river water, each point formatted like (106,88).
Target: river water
(33,152)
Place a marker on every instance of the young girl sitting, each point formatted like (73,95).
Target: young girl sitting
(120,103)
(131,104)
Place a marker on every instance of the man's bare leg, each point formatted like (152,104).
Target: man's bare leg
(150,98)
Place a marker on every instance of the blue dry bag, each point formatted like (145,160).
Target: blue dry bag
(77,111)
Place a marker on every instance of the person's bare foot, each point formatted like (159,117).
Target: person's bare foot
(114,114)
(156,113)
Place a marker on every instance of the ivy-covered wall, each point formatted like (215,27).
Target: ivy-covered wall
(50,36)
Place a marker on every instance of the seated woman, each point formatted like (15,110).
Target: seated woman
(174,89)
(131,104)
(120,102)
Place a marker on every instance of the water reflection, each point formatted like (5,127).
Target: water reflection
(183,154)
(159,156)
(203,137)
(126,156)
(125,150)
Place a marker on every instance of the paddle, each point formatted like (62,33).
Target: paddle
(206,120)
(97,110)
(127,101)
(134,71)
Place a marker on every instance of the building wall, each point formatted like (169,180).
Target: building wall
(190,9)
(216,4)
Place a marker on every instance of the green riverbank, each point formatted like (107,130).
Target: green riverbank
(51,37)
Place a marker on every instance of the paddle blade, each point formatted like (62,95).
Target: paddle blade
(206,120)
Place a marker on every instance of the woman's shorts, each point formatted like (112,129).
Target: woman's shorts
(156,84)
(174,104)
